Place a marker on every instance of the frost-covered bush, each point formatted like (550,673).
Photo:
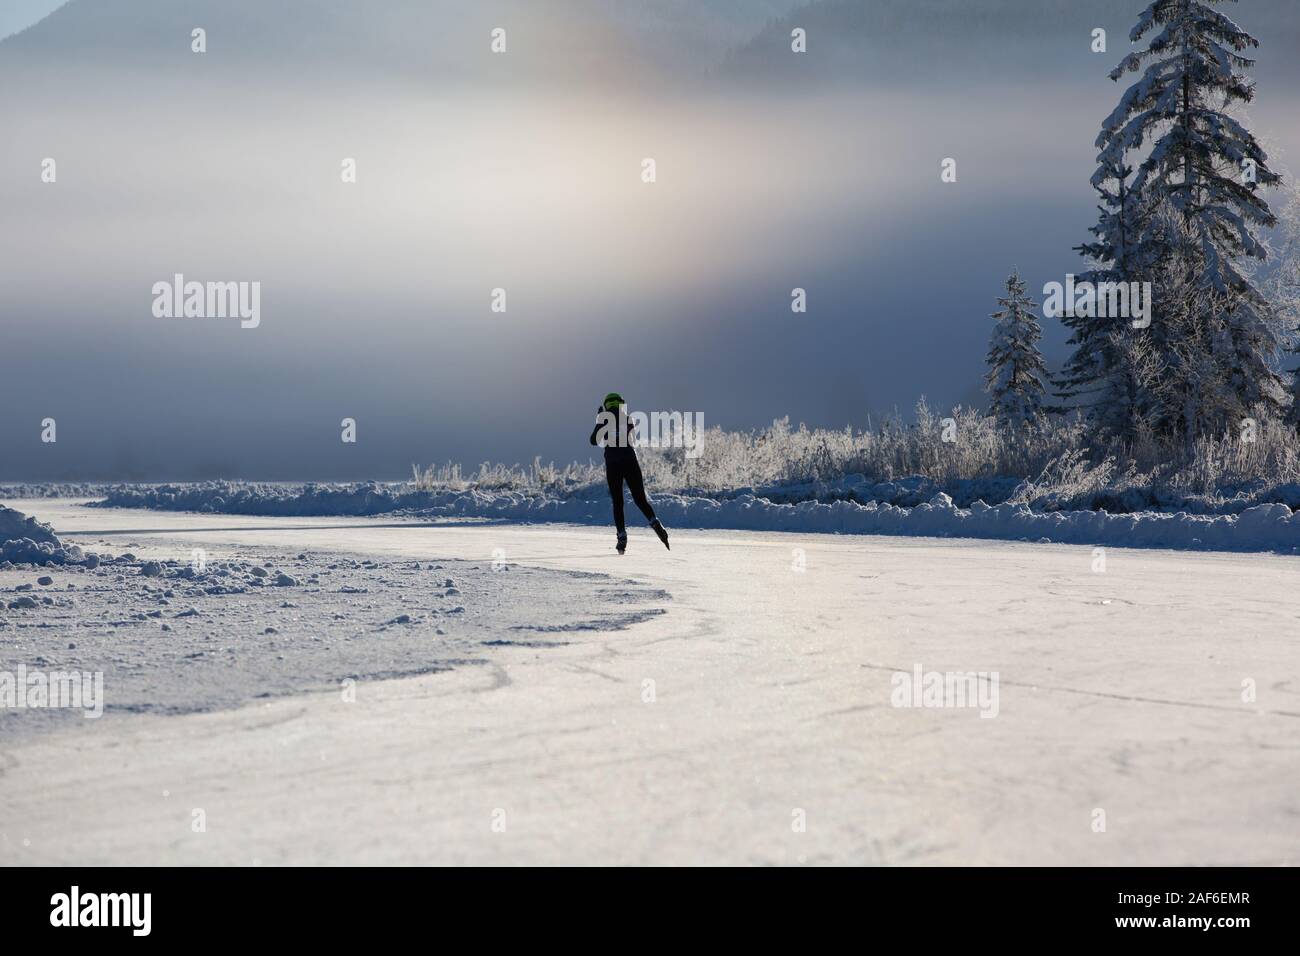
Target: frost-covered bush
(1052,463)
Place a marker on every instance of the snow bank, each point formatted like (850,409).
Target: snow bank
(56,489)
(907,492)
(1269,527)
(25,540)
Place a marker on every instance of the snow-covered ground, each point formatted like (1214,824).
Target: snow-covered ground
(1262,527)
(262,622)
(751,723)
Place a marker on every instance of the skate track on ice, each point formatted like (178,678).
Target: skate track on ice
(1120,691)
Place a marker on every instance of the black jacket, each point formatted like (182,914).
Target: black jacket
(615,451)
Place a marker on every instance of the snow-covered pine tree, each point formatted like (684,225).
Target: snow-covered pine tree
(1133,395)
(1204,165)
(1100,343)
(1016,371)
(1282,284)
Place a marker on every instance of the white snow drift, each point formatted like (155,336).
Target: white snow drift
(1266,527)
(25,540)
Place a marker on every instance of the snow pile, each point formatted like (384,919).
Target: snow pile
(55,489)
(25,540)
(370,498)
(905,492)
(275,500)
(1268,527)
(913,490)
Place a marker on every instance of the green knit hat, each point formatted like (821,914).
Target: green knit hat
(612,401)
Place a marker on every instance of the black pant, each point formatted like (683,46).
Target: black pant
(621,466)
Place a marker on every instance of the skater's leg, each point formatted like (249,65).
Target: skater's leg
(614,478)
(636,485)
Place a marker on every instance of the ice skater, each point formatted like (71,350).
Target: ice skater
(614,431)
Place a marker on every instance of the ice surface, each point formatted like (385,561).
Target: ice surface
(694,737)
(172,635)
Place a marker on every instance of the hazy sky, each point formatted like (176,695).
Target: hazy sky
(519,171)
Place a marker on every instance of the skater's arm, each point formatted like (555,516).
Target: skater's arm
(598,424)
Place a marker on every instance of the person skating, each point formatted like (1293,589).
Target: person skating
(621,466)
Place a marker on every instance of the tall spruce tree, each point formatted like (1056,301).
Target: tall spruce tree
(1282,285)
(1184,218)
(1097,374)
(1016,371)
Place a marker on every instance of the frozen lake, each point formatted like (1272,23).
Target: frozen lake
(751,723)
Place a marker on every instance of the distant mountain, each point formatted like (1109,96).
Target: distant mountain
(16,15)
(442,44)
(443,41)
(915,43)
